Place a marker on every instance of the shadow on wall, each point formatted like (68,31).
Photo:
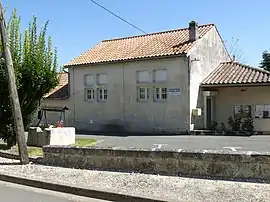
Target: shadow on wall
(115,125)
(119,128)
(198,120)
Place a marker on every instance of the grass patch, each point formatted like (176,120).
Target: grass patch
(37,151)
(33,151)
(84,142)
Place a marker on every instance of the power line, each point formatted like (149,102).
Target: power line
(129,23)
(119,17)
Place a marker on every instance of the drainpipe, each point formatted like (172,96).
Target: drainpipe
(74,101)
(189,116)
(123,92)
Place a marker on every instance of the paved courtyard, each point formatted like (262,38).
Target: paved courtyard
(226,143)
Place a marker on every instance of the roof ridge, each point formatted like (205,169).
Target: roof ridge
(154,33)
(247,66)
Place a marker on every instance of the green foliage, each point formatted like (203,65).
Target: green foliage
(35,65)
(241,124)
(234,123)
(265,63)
(222,127)
(247,125)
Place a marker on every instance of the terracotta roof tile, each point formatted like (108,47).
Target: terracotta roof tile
(166,43)
(236,73)
(61,90)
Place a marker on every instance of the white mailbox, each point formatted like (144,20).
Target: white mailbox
(197,112)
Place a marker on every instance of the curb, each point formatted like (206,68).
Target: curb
(91,193)
(17,157)
(9,155)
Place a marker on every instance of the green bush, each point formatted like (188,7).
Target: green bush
(241,124)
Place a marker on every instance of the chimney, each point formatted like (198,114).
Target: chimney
(193,31)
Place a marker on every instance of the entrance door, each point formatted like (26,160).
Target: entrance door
(208,111)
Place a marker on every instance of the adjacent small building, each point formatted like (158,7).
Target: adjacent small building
(57,100)
(234,89)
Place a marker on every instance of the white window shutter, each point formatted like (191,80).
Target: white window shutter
(89,80)
(143,76)
(102,78)
(160,75)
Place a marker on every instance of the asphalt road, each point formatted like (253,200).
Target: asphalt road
(17,193)
(226,143)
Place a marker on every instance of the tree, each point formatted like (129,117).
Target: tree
(35,66)
(235,50)
(265,63)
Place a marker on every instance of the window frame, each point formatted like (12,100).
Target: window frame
(263,108)
(146,93)
(104,96)
(86,94)
(160,93)
(242,114)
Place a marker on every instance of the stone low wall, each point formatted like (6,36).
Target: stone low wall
(173,162)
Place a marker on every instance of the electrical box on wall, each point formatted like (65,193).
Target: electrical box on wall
(197,112)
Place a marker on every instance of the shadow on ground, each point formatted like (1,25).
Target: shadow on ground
(10,163)
(3,146)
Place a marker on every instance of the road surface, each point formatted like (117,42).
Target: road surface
(226,143)
(258,143)
(17,193)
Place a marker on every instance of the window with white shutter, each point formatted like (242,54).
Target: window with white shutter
(143,77)
(102,79)
(88,80)
(160,75)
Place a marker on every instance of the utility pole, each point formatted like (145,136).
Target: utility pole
(13,93)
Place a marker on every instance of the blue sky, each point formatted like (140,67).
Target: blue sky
(75,26)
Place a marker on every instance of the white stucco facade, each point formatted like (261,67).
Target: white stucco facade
(228,97)
(205,56)
(123,111)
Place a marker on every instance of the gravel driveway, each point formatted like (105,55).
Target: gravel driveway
(162,187)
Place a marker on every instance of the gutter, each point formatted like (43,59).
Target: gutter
(235,85)
(126,60)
